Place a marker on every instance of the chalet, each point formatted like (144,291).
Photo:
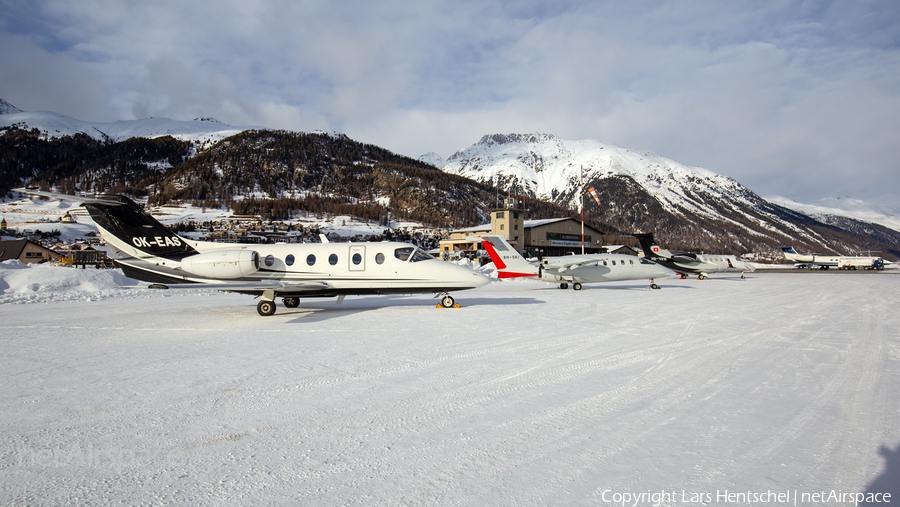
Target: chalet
(26,251)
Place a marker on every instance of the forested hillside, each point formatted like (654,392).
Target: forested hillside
(275,174)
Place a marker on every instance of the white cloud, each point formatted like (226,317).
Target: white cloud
(766,93)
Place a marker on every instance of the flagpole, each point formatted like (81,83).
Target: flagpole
(581,181)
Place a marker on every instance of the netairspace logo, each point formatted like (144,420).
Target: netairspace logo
(726,497)
(77,455)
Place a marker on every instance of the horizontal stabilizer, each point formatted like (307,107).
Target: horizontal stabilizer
(71,198)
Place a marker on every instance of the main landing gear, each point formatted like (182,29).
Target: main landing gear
(266,308)
(576,286)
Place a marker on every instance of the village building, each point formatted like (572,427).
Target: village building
(26,251)
(84,255)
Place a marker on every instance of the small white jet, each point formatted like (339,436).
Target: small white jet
(832,261)
(686,262)
(148,251)
(574,269)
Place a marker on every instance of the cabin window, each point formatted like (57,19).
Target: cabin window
(310,259)
(332,259)
(631,261)
(270,260)
(289,260)
(356,259)
(604,263)
(614,263)
(379,258)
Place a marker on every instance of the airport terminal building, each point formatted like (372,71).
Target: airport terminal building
(550,237)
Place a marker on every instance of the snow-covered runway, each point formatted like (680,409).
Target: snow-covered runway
(527,395)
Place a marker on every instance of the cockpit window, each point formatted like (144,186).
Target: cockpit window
(419,255)
(412,254)
(403,253)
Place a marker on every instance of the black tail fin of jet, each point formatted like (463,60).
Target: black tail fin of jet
(647,242)
(123,223)
(651,250)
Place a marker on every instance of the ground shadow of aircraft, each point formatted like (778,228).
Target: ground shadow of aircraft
(888,483)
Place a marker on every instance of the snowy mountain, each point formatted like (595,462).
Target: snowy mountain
(641,191)
(547,167)
(7,108)
(56,125)
(432,158)
(832,208)
(688,207)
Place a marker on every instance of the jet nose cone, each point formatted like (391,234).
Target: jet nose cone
(464,277)
(480,280)
(661,271)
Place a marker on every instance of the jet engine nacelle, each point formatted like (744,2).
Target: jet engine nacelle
(222,264)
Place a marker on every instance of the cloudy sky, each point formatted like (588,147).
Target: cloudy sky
(792,98)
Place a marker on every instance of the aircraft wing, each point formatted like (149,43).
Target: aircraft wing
(574,265)
(311,286)
(684,259)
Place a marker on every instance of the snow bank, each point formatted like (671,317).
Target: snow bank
(43,283)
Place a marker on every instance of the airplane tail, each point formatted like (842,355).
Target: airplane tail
(792,255)
(506,259)
(651,250)
(126,227)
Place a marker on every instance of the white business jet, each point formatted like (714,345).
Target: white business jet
(148,251)
(686,262)
(574,269)
(832,261)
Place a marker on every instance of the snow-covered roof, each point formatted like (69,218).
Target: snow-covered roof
(537,223)
(528,225)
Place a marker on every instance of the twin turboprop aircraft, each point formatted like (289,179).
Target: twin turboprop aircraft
(146,250)
(574,269)
(686,262)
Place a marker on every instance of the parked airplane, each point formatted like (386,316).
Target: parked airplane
(574,269)
(146,250)
(686,262)
(832,261)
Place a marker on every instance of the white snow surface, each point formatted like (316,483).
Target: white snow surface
(865,211)
(783,383)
